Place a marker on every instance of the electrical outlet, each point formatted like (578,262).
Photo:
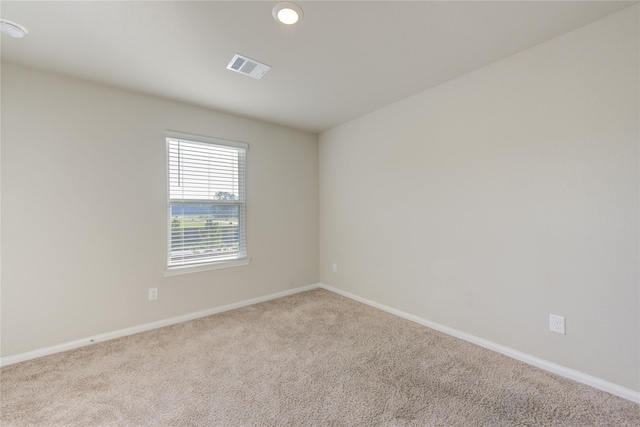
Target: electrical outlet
(335,267)
(556,324)
(153,294)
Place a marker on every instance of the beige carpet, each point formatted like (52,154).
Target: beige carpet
(313,358)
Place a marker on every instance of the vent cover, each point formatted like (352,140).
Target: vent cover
(243,65)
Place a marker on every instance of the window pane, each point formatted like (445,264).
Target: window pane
(203,171)
(202,232)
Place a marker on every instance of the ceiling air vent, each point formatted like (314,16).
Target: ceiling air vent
(243,65)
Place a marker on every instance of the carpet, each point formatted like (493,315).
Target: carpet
(313,358)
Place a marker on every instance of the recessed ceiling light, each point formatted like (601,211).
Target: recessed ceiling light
(12,29)
(287,13)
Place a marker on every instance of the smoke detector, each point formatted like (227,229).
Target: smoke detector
(13,29)
(248,67)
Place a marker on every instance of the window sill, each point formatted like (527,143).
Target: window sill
(174,271)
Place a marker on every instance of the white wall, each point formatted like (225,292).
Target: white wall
(84,210)
(493,200)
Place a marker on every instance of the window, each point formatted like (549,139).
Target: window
(206,202)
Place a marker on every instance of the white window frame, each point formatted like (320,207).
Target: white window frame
(242,258)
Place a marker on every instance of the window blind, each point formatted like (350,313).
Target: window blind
(206,200)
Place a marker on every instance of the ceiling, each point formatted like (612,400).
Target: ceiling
(343,60)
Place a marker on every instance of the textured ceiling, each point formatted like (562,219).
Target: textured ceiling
(343,60)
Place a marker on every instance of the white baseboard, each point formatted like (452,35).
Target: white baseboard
(580,377)
(10,360)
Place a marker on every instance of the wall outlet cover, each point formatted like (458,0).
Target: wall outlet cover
(556,324)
